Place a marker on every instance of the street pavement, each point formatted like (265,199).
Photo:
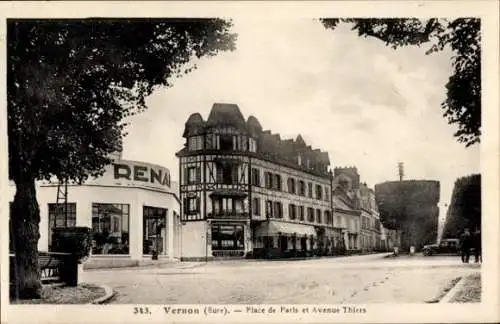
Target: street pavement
(354,279)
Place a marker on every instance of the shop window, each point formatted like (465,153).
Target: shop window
(256,206)
(227,237)
(310,214)
(291,185)
(59,216)
(110,227)
(154,230)
(255,177)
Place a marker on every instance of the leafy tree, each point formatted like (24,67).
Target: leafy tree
(70,84)
(465,207)
(462,106)
(410,207)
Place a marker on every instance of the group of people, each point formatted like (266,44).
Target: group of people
(471,241)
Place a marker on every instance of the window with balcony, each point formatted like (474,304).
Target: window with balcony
(227,206)
(227,174)
(310,214)
(291,185)
(256,177)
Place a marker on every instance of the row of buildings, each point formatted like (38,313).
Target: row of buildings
(246,192)
(242,192)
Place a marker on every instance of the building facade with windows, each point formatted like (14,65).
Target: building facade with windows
(371,228)
(133,210)
(245,191)
(347,216)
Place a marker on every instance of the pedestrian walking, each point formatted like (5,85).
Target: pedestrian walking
(465,245)
(477,245)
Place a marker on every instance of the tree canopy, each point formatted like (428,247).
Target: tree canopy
(462,106)
(70,84)
(465,207)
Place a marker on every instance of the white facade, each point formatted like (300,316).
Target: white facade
(130,187)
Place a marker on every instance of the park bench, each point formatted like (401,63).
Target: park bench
(52,266)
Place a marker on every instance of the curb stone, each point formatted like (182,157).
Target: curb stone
(453,291)
(109,293)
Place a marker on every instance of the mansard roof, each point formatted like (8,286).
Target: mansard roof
(269,144)
(226,114)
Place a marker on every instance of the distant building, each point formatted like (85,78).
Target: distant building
(245,191)
(370,220)
(345,193)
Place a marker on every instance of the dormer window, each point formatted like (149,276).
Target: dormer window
(226,142)
(252,145)
(195,143)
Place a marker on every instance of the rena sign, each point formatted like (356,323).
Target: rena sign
(142,172)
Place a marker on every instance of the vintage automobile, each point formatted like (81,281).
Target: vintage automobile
(447,246)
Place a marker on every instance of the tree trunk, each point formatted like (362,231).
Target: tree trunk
(25,219)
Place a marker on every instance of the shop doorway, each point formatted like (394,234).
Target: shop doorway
(154,230)
(283,243)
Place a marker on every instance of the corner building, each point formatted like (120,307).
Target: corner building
(246,192)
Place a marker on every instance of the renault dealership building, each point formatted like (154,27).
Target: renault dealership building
(133,210)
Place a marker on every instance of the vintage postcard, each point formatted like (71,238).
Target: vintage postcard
(281,162)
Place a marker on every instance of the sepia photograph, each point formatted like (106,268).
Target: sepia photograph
(201,167)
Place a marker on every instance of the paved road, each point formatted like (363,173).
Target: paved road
(357,279)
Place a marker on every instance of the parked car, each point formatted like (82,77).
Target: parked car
(447,246)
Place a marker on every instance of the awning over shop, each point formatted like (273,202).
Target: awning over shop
(276,228)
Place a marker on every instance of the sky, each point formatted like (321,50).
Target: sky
(366,104)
